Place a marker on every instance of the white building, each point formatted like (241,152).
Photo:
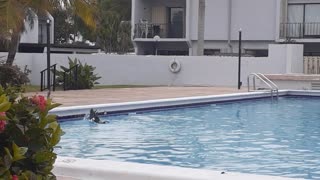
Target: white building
(34,39)
(262,22)
(37,33)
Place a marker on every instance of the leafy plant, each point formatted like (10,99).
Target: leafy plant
(13,75)
(14,15)
(28,135)
(83,78)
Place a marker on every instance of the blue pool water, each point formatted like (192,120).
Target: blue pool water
(279,138)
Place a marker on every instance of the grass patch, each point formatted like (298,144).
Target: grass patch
(31,88)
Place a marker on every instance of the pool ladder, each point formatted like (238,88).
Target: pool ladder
(272,87)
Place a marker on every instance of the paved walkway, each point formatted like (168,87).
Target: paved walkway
(102,96)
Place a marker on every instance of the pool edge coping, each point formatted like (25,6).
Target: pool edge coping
(75,168)
(127,107)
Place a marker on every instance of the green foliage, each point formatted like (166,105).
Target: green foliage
(86,79)
(13,75)
(124,38)
(14,14)
(63,25)
(113,30)
(28,136)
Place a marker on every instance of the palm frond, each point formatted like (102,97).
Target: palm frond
(85,10)
(12,15)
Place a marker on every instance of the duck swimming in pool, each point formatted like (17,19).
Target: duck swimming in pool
(93,117)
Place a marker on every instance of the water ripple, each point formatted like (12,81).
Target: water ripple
(259,136)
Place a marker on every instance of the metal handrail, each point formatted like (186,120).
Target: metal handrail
(163,30)
(43,79)
(267,79)
(272,86)
(300,30)
(68,75)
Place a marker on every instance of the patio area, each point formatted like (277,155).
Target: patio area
(117,95)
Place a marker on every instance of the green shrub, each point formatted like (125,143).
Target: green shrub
(86,79)
(28,136)
(13,75)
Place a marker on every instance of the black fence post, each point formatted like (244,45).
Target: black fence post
(64,81)
(48,58)
(41,81)
(54,77)
(76,77)
(239,65)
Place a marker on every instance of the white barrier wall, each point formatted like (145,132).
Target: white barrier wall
(154,70)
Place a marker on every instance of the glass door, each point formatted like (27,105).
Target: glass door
(312,20)
(295,25)
(176,22)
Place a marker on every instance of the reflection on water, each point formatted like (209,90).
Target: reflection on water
(280,138)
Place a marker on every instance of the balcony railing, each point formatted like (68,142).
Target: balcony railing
(150,30)
(299,30)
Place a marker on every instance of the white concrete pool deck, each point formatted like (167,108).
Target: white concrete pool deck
(120,95)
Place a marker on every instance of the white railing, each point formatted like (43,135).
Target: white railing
(311,65)
(272,87)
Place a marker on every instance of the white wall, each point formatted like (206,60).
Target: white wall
(154,70)
(257,18)
(294,55)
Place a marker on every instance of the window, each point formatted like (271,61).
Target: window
(295,13)
(211,52)
(257,52)
(176,22)
(312,13)
(303,20)
(42,32)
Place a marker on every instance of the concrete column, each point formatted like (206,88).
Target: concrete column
(284,11)
(294,58)
(188,18)
(201,26)
(229,25)
(281,17)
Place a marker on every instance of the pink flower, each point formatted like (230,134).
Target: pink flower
(2,122)
(40,101)
(15,177)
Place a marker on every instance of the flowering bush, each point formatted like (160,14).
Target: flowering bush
(28,135)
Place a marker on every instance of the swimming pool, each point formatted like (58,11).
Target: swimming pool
(256,136)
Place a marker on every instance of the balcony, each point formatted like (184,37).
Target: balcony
(150,30)
(299,30)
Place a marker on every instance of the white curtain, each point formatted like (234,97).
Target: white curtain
(312,20)
(294,28)
(295,14)
(312,13)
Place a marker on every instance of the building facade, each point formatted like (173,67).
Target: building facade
(170,27)
(37,33)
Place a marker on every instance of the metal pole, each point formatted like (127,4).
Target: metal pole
(239,65)
(54,77)
(156,48)
(156,38)
(41,83)
(48,59)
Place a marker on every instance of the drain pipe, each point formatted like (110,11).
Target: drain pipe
(229,24)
